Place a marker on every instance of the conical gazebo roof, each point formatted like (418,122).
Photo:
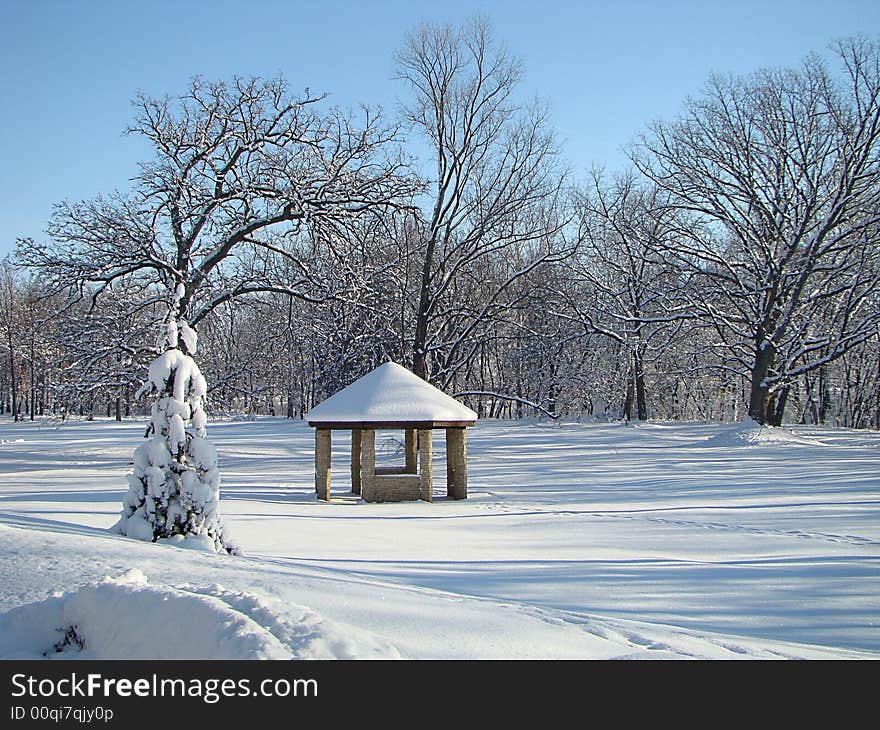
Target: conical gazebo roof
(388,396)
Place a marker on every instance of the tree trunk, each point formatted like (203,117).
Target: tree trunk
(827,402)
(43,378)
(639,376)
(877,411)
(12,381)
(33,373)
(628,400)
(302,385)
(290,412)
(420,338)
(420,343)
(759,394)
(776,407)
(877,397)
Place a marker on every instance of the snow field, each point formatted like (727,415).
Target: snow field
(593,541)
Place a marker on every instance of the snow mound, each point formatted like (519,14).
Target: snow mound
(129,618)
(752,433)
(302,631)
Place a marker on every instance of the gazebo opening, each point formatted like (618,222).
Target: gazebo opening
(391,398)
(391,452)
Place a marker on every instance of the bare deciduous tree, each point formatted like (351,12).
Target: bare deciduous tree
(495,187)
(621,288)
(242,172)
(780,173)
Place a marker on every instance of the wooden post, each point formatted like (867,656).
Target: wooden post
(456,463)
(368,462)
(355,461)
(322,463)
(426,471)
(411,451)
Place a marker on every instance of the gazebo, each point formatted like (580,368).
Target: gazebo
(392,398)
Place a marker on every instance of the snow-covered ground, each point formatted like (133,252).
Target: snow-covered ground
(592,541)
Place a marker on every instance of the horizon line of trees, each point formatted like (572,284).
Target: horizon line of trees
(732,271)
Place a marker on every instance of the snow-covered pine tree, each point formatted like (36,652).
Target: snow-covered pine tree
(174,489)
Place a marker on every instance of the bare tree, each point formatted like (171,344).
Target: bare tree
(495,187)
(242,172)
(780,175)
(621,288)
(105,348)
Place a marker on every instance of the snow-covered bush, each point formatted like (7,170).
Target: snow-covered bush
(174,490)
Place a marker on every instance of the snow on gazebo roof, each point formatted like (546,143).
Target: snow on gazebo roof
(390,394)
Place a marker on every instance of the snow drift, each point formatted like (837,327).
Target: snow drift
(752,433)
(129,618)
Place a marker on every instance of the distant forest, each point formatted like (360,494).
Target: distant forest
(732,270)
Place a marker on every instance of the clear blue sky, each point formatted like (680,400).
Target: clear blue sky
(69,68)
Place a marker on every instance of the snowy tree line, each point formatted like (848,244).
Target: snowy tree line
(732,270)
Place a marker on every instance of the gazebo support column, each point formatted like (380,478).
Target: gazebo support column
(322,463)
(355,461)
(456,463)
(426,472)
(411,451)
(368,463)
